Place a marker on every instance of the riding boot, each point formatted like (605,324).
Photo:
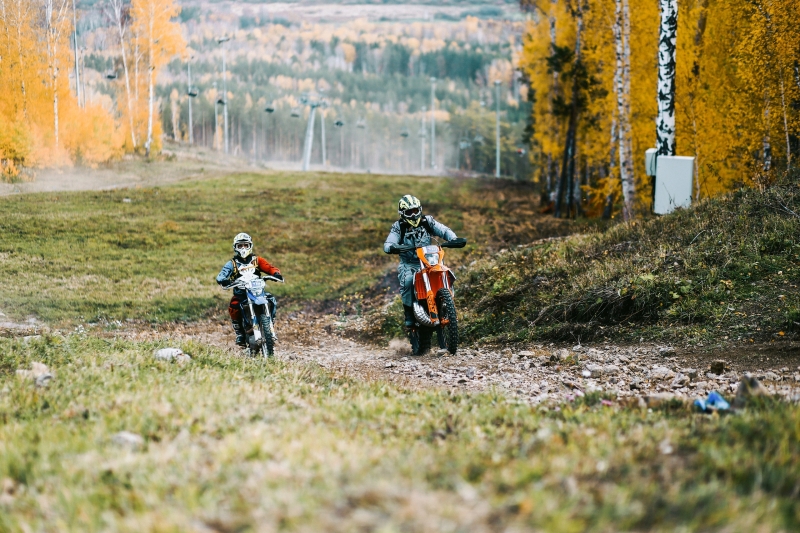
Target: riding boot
(238,329)
(410,320)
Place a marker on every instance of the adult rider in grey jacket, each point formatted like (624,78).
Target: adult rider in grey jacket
(412,229)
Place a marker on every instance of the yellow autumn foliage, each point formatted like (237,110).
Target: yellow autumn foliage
(41,121)
(737,89)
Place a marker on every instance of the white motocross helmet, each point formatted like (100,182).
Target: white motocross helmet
(243,245)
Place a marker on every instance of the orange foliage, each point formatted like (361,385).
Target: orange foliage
(41,123)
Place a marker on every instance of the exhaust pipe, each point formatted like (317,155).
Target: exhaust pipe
(421,316)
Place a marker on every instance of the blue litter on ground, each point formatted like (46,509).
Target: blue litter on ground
(714,402)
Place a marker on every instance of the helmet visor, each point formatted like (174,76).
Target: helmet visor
(412,212)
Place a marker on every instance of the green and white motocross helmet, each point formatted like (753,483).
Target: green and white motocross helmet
(410,209)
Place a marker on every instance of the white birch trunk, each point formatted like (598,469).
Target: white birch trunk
(150,95)
(668,38)
(767,143)
(786,124)
(116,9)
(176,120)
(21,60)
(625,162)
(626,78)
(54,17)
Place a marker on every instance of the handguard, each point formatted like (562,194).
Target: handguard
(455,243)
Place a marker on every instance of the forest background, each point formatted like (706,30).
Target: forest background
(373,71)
(736,78)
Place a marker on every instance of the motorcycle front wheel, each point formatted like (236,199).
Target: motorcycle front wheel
(267,342)
(447,309)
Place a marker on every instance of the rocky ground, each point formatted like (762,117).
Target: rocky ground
(645,373)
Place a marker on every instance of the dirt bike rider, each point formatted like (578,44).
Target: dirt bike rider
(243,255)
(413,229)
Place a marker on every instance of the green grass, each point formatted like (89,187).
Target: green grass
(236,445)
(232,444)
(726,269)
(91,256)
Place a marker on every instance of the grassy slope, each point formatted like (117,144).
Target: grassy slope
(235,445)
(725,269)
(239,446)
(90,256)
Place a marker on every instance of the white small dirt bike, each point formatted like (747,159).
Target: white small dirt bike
(258,311)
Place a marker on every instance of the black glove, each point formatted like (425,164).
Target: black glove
(278,276)
(393,249)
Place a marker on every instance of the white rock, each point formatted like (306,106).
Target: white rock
(610,369)
(665,447)
(129,440)
(470,372)
(39,373)
(661,372)
(525,353)
(595,371)
(171,354)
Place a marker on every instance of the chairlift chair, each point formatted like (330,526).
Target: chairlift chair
(361,123)
(221,101)
(295,112)
(404,133)
(338,123)
(111,74)
(270,108)
(192,92)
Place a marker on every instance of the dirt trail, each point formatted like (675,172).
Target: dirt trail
(128,173)
(536,374)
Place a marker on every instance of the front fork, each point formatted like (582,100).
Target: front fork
(434,311)
(257,330)
(254,321)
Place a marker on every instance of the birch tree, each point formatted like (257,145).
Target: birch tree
(622,90)
(54,14)
(667,45)
(161,39)
(119,15)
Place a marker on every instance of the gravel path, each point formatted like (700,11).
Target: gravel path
(535,374)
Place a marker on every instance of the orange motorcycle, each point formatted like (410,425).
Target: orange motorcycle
(434,305)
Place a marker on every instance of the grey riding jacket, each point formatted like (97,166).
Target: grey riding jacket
(418,236)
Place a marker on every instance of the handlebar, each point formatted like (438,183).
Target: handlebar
(455,243)
(240,285)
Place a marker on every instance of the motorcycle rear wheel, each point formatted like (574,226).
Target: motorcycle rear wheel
(447,309)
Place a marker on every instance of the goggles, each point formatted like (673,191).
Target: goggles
(242,245)
(412,212)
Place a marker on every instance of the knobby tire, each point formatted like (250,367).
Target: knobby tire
(447,309)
